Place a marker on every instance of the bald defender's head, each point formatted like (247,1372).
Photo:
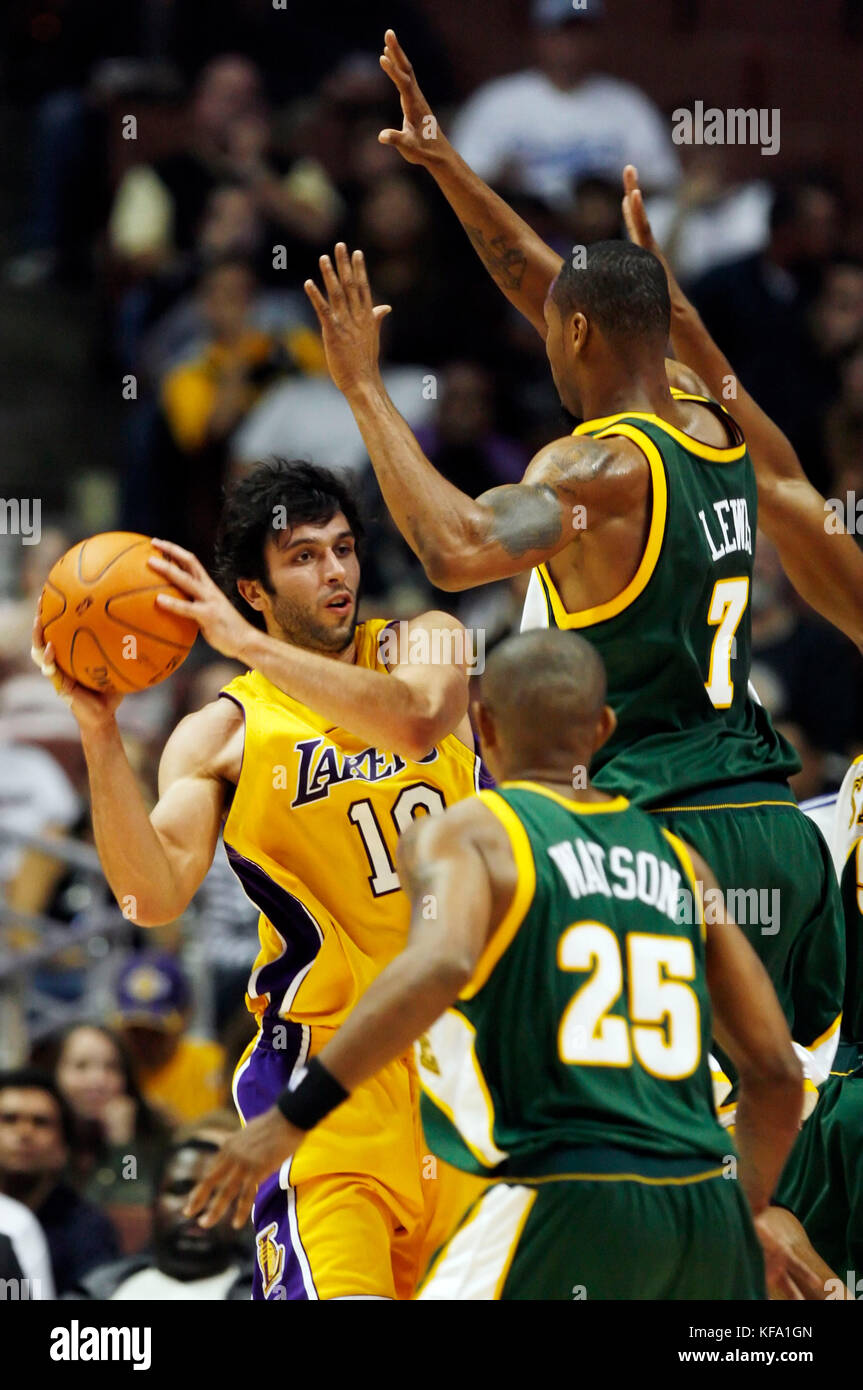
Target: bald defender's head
(542,710)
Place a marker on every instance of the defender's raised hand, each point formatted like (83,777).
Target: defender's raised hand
(634,214)
(419,139)
(350,323)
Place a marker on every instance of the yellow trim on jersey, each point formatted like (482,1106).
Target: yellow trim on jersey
(522,898)
(587,617)
(852,848)
(510,1254)
(828,1033)
(584,808)
(610,1177)
(686,863)
(435,1264)
(729,453)
(725,806)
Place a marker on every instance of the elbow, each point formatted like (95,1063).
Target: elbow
(780,1074)
(445,569)
(451,972)
(418,738)
(146,914)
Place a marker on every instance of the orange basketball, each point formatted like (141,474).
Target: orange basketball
(99,609)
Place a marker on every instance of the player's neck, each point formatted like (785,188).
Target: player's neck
(644,390)
(561,782)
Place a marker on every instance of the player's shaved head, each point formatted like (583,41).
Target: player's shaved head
(544,692)
(621,288)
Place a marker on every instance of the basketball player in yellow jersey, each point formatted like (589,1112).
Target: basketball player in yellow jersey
(340,735)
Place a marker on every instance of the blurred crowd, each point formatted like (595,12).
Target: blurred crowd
(186,177)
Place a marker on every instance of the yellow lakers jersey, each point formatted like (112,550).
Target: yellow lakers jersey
(311,833)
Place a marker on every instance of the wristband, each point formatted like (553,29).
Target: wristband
(317,1093)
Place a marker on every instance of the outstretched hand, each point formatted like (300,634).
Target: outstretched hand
(243,1162)
(220,623)
(350,323)
(419,141)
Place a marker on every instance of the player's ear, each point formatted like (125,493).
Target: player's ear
(484,725)
(578,331)
(252,592)
(605,727)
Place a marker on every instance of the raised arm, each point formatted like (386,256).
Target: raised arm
(519,261)
(821,560)
(461,541)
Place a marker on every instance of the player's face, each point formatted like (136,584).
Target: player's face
(314,577)
(559,359)
(31,1135)
(90,1072)
(184,1248)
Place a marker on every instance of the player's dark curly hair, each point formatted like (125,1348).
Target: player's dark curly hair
(621,287)
(252,508)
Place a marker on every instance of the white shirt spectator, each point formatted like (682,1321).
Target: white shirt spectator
(545,139)
(30,1246)
(35,796)
(735,225)
(152,1286)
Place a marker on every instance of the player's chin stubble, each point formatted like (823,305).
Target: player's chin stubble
(300,629)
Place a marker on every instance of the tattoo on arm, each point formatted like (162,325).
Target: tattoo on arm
(524,518)
(505,264)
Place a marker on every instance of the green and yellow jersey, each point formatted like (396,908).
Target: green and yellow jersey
(584,1034)
(676,641)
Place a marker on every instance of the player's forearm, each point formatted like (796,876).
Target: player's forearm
(404,1001)
(822,561)
(439,523)
(516,258)
(767,1122)
(388,713)
(132,855)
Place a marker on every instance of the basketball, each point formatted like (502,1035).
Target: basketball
(99,609)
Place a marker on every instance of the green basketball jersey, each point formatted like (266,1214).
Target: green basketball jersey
(676,641)
(587,1023)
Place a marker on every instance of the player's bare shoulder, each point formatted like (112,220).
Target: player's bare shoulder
(610,476)
(206,744)
(468,823)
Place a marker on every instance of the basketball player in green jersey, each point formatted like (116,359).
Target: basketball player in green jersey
(564,1017)
(822,1183)
(639,530)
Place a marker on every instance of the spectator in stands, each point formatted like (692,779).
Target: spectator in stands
(462,441)
(16,614)
(756,307)
(709,219)
(36,1131)
(36,799)
(158,209)
(179,1074)
(24,1252)
(206,398)
(119,1138)
(188,1261)
(542,129)
(843,437)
